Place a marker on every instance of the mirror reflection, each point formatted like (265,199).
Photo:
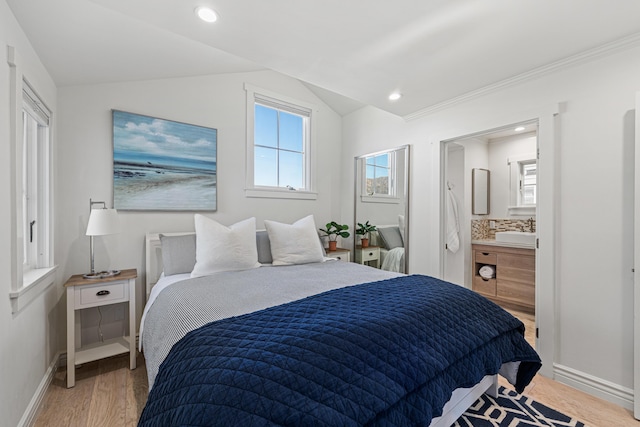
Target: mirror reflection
(381,209)
(480,191)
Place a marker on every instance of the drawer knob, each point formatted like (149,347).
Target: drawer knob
(485,253)
(338,257)
(102,293)
(370,253)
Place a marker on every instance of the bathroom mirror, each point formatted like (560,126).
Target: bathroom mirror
(480,191)
(382,198)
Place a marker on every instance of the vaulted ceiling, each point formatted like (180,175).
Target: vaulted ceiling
(350,53)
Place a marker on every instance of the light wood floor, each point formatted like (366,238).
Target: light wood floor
(108,394)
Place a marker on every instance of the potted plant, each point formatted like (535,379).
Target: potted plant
(333,230)
(364,230)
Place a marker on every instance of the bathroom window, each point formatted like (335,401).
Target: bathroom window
(523,173)
(528,183)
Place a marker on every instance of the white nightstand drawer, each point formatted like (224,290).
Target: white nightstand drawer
(101,293)
(370,254)
(340,254)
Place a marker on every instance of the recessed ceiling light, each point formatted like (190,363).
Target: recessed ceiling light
(519,129)
(395,96)
(206,14)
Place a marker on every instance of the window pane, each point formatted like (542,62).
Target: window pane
(370,178)
(529,180)
(25,185)
(382,181)
(382,160)
(266,167)
(291,169)
(283,132)
(266,126)
(291,132)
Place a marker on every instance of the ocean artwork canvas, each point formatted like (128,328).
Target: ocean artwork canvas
(163,165)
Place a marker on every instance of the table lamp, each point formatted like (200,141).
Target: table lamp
(101,222)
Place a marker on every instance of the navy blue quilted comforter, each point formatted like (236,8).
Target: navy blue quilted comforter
(382,353)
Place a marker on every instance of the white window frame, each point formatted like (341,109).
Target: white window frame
(274,100)
(516,205)
(392,196)
(29,281)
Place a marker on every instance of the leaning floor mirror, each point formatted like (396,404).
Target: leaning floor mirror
(381,221)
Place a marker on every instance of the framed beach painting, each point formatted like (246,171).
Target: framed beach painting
(163,165)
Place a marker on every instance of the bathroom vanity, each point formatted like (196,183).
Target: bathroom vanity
(513,284)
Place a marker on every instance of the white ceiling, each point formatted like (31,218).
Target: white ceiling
(350,53)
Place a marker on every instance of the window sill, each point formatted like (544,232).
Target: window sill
(522,210)
(280,194)
(34,282)
(380,199)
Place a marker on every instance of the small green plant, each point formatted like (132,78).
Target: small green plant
(365,229)
(333,230)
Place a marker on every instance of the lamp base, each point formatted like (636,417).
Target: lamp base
(101,274)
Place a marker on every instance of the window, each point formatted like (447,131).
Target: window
(35,181)
(378,173)
(32,224)
(278,146)
(279,143)
(527,183)
(523,184)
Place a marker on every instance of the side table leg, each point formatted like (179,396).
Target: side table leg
(71,339)
(132,324)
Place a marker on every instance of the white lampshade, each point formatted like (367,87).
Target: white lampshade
(102,222)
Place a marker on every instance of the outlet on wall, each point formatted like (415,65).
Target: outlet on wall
(492,225)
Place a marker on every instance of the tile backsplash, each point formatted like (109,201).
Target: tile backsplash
(480,227)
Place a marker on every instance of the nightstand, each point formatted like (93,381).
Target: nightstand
(369,255)
(87,293)
(340,254)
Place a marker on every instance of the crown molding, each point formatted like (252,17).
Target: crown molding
(586,56)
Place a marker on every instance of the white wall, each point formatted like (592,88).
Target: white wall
(455,264)
(85,162)
(29,337)
(594,207)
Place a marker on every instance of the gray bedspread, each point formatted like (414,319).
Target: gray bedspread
(192,303)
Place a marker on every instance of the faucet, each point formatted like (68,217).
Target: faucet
(531,225)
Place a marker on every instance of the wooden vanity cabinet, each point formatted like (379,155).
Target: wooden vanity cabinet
(515,275)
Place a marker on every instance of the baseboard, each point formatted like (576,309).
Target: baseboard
(29,416)
(595,386)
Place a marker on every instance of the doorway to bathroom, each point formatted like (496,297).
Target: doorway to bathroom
(489,193)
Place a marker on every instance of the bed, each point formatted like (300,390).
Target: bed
(302,344)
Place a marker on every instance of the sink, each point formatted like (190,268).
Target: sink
(519,237)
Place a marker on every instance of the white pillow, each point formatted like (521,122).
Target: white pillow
(221,248)
(296,243)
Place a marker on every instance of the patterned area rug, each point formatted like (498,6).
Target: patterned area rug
(513,410)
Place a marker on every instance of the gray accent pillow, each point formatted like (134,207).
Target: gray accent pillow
(178,253)
(391,237)
(264,247)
